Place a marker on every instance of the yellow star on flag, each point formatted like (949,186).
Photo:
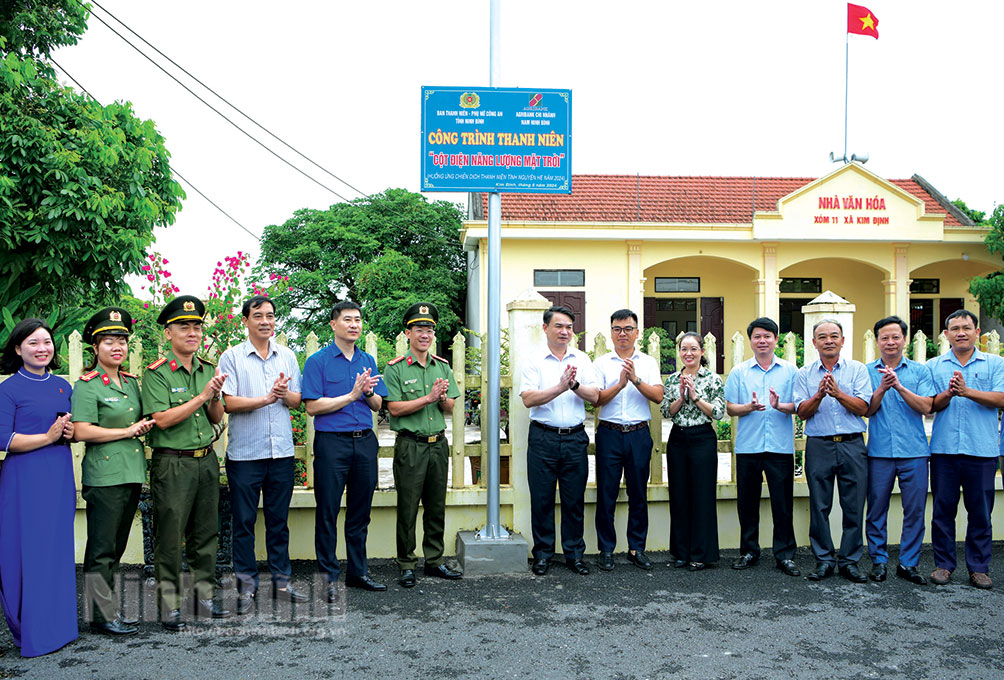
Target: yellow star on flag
(867,22)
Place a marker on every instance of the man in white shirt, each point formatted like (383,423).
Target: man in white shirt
(628,380)
(553,386)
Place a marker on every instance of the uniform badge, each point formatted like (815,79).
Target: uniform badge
(188,306)
(176,390)
(174,365)
(423,310)
(115,316)
(105,380)
(111,399)
(413,380)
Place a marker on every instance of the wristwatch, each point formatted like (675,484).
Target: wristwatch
(637,382)
(368,394)
(575,385)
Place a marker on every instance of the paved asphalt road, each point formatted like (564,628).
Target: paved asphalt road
(623,624)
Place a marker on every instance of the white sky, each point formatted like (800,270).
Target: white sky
(661,88)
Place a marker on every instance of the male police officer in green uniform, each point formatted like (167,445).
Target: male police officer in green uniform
(182,395)
(419,393)
(108,416)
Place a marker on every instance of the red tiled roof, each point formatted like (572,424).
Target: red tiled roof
(680,200)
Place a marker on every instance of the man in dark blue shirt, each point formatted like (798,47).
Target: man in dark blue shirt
(341,389)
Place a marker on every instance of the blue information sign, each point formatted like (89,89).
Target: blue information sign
(495,139)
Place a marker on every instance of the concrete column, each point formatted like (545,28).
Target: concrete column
(829,305)
(901,292)
(635,281)
(771,295)
(526,338)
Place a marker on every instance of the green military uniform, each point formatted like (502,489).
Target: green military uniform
(184,477)
(112,472)
(421,456)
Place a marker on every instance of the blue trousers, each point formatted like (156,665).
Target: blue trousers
(628,454)
(271,480)
(342,461)
(974,476)
(912,474)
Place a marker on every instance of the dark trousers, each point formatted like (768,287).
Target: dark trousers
(420,471)
(628,454)
(110,512)
(561,459)
(847,463)
(692,468)
(186,509)
(270,479)
(974,476)
(882,473)
(339,462)
(779,469)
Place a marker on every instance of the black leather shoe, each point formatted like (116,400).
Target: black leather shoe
(697,566)
(878,572)
(407,579)
(540,566)
(910,574)
(443,571)
(746,561)
(606,561)
(172,621)
(823,570)
(639,559)
(245,601)
(208,609)
(127,620)
(364,582)
(578,566)
(113,627)
(852,573)
(679,564)
(332,593)
(288,594)
(788,567)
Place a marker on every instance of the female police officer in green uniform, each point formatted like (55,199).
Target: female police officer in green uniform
(108,416)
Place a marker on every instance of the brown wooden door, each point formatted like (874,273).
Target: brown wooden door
(946,306)
(713,321)
(575,300)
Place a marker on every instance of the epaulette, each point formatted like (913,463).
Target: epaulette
(434,356)
(394,361)
(128,375)
(157,364)
(90,376)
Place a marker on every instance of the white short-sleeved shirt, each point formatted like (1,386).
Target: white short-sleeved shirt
(629,406)
(544,370)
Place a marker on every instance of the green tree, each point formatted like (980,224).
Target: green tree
(329,256)
(977,216)
(82,185)
(989,290)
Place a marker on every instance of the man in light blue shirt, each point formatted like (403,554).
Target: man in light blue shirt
(760,393)
(964,448)
(831,396)
(897,448)
(262,385)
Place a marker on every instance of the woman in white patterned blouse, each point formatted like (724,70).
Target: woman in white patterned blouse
(694,398)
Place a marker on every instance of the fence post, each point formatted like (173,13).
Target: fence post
(943,344)
(459,408)
(711,350)
(994,343)
(371,349)
(868,351)
(308,459)
(791,348)
(76,369)
(738,355)
(401,344)
(920,347)
(655,423)
(599,349)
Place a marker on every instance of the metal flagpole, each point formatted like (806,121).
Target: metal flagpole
(847,62)
(493,527)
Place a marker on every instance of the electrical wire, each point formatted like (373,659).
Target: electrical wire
(174,171)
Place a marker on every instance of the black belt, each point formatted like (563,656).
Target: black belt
(190,453)
(559,430)
(624,428)
(839,437)
(424,438)
(355,434)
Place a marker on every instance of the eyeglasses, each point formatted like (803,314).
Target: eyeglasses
(625,330)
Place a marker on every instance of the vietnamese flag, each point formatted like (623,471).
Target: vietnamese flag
(861,21)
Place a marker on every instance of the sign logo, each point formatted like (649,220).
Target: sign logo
(423,310)
(188,306)
(536,99)
(470,100)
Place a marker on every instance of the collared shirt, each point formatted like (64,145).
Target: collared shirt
(964,426)
(543,371)
(629,406)
(328,373)
(709,389)
(166,384)
(769,430)
(265,432)
(832,418)
(407,379)
(99,401)
(896,430)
